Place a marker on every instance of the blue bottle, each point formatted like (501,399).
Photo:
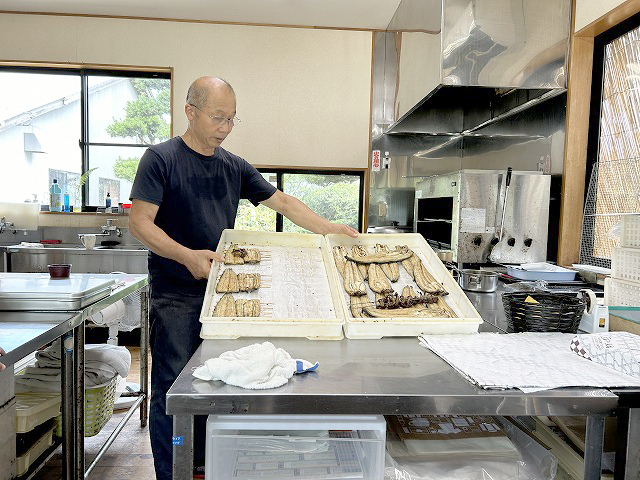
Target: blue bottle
(66,200)
(108,200)
(55,197)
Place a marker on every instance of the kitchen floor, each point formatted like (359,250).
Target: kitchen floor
(130,454)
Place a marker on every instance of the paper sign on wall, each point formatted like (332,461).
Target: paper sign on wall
(375,161)
(472,220)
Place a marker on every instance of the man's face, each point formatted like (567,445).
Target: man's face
(211,122)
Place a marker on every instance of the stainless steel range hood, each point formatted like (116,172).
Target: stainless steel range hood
(467,64)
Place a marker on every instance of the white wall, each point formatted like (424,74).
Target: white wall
(588,11)
(303,94)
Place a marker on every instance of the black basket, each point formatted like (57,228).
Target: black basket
(553,312)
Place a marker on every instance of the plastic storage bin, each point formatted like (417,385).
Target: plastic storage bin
(620,293)
(625,264)
(295,447)
(630,235)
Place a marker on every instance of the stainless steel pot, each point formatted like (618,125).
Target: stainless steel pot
(478,280)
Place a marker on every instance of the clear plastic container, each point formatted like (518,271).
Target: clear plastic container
(295,447)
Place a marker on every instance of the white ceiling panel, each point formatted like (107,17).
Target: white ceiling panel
(360,14)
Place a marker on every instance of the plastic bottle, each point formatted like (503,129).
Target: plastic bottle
(66,199)
(55,197)
(108,200)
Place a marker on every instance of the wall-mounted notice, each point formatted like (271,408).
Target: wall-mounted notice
(375,161)
(472,220)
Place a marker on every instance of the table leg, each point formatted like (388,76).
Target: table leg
(182,447)
(78,361)
(632,466)
(68,410)
(144,355)
(593,443)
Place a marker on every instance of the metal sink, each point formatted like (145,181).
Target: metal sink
(101,259)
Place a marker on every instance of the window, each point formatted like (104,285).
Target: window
(86,128)
(338,197)
(614,142)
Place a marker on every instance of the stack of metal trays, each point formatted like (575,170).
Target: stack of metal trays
(40,292)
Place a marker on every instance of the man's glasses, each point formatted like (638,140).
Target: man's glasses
(217,121)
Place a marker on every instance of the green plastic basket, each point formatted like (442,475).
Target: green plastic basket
(98,406)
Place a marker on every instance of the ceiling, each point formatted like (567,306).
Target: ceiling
(359,14)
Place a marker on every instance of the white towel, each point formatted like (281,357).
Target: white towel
(102,363)
(258,366)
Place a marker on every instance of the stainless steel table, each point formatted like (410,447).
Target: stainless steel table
(387,376)
(23,332)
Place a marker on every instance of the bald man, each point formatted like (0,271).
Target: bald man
(186,192)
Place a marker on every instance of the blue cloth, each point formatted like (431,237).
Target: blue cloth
(174,338)
(198,197)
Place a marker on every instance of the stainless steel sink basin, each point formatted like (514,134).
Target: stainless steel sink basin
(101,259)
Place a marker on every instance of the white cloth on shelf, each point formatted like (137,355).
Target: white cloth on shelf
(257,366)
(102,363)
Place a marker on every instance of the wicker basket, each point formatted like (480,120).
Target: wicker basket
(98,406)
(552,313)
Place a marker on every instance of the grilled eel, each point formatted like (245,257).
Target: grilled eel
(226,306)
(358,251)
(247,282)
(391,270)
(357,303)
(425,281)
(410,312)
(239,256)
(353,282)
(338,256)
(392,256)
(378,281)
(228,282)
(247,308)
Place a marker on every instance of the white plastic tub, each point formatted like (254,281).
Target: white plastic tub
(298,297)
(468,319)
(295,447)
(621,293)
(35,408)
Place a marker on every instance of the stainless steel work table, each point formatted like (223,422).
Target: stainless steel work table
(386,376)
(23,332)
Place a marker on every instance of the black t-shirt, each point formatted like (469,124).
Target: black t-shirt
(197,197)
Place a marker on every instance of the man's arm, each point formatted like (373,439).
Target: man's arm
(142,226)
(303,216)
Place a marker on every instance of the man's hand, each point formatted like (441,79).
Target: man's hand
(2,352)
(198,262)
(343,229)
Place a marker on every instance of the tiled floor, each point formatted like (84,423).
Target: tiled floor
(128,457)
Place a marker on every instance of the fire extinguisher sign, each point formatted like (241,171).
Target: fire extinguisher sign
(375,161)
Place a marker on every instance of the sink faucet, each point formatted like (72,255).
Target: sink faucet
(109,227)
(6,225)
(107,230)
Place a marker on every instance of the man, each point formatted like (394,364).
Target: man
(185,193)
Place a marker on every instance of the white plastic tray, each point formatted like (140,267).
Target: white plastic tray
(23,462)
(32,409)
(542,271)
(468,319)
(298,297)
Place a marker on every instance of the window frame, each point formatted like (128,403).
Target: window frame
(84,72)
(597,86)
(279,172)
